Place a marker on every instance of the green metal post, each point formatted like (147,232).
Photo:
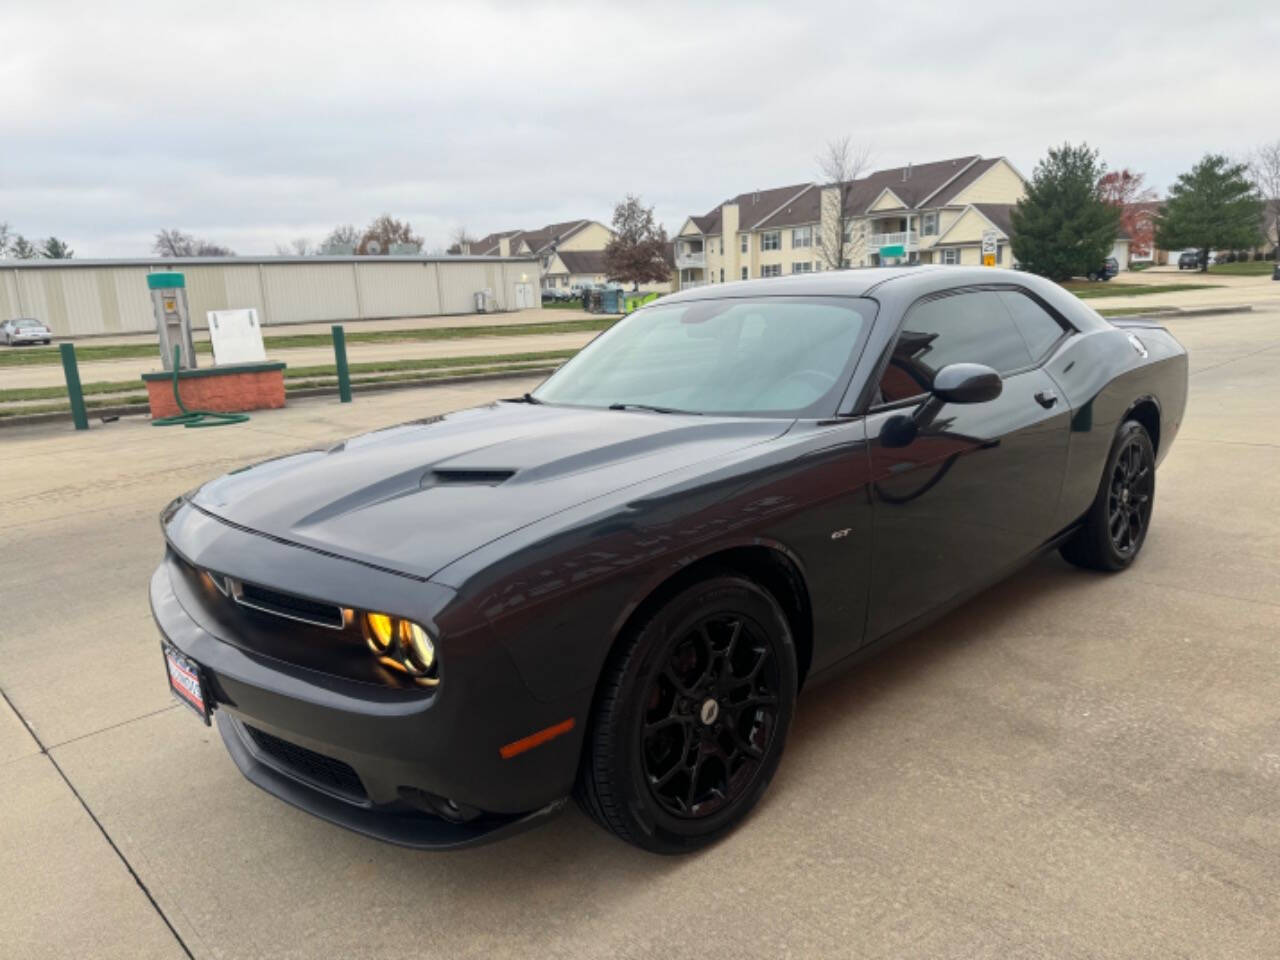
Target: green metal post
(340,358)
(76,395)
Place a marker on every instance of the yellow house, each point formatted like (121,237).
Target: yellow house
(545,243)
(893,216)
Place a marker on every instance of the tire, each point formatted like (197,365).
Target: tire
(691,718)
(1115,527)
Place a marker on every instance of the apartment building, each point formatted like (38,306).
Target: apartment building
(921,213)
(569,253)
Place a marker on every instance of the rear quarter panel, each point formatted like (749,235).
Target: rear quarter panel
(1104,377)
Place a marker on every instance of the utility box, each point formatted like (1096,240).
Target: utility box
(173,319)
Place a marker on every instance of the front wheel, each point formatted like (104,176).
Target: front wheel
(1116,525)
(691,719)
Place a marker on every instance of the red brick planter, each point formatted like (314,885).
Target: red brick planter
(228,389)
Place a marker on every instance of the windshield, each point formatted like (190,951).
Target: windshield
(762,356)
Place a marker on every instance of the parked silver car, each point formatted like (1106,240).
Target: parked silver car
(24,330)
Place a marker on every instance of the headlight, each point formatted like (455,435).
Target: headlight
(403,645)
(418,650)
(378,632)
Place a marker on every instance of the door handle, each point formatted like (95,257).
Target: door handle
(1046,398)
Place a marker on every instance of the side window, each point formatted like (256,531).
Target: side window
(973,327)
(1039,330)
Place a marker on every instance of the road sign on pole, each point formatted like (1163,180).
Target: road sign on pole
(989,240)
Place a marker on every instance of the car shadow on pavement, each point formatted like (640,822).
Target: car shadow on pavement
(828,720)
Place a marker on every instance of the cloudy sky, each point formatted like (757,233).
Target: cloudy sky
(255,123)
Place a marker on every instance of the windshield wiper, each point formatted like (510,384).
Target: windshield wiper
(651,408)
(524,398)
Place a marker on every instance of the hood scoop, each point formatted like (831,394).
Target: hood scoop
(461,476)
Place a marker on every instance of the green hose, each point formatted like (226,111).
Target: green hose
(194,418)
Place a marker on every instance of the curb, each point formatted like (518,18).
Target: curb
(1164,313)
(137,409)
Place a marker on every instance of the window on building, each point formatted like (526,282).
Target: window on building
(802,237)
(999,253)
(971,327)
(951,255)
(771,270)
(771,240)
(745,273)
(722,274)
(743,243)
(929,224)
(802,266)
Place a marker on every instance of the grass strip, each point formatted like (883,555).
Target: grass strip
(1252,268)
(358,371)
(139,399)
(88,353)
(1088,291)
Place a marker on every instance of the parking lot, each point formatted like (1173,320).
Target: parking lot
(1071,765)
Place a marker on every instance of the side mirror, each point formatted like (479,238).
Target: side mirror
(966,383)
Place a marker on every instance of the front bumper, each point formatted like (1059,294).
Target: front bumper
(368,757)
(405,827)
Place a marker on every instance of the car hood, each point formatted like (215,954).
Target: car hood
(416,497)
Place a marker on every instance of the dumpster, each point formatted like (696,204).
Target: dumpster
(610,300)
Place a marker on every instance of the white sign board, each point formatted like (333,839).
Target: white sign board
(989,240)
(236,336)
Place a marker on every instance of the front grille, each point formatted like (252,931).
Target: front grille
(287,605)
(315,768)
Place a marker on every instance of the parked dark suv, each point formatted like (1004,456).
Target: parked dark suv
(1110,267)
(1189,260)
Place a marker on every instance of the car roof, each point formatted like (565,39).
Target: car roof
(895,287)
(855,282)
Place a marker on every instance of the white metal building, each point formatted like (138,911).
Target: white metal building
(88,297)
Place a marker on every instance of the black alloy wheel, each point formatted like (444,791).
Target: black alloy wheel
(1113,531)
(691,717)
(710,715)
(1129,497)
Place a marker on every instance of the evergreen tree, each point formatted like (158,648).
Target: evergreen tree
(55,249)
(20,248)
(1064,227)
(1211,207)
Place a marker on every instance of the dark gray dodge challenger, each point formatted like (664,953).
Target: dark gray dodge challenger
(614,587)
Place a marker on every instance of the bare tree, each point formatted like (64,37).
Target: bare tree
(638,251)
(341,241)
(6,235)
(175,243)
(1264,168)
(460,240)
(839,165)
(300,247)
(387,235)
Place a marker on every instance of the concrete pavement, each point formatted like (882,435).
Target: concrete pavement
(1071,765)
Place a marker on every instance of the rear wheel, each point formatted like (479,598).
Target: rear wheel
(1116,525)
(692,717)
